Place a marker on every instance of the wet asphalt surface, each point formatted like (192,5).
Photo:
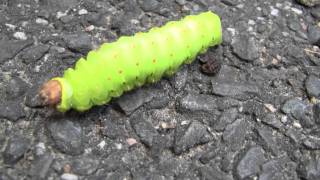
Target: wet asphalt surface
(258,117)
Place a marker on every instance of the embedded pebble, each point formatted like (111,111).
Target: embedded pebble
(274,11)
(284,119)
(68,176)
(309,3)
(297,125)
(82,12)
(67,136)
(131,101)
(269,138)
(20,36)
(235,133)
(90,28)
(185,138)
(34,53)
(235,90)
(42,21)
(250,163)
(102,144)
(313,86)
(144,129)
(131,141)
(314,35)
(85,165)
(312,143)
(198,102)
(272,120)
(17,146)
(40,149)
(11,26)
(14,46)
(309,168)
(12,110)
(226,118)
(297,11)
(79,42)
(246,47)
(280,168)
(270,107)
(41,166)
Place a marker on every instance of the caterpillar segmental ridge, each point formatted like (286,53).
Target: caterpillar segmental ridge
(132,61)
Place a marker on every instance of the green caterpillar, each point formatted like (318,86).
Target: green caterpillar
(133,61)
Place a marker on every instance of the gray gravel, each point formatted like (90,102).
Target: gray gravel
(257,118)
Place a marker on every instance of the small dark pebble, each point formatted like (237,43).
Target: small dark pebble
(294,107)
(250,163)
(159,143)
(213,173)
(312,143)
(313,86)
(234,134)
(16,148)
(279,169)
(226,103)
(119,174)
(144,129)
(269,139)
(315,12)
(314,35)
(185,138)
(67,19)
(226,118)
(16,88)
(41,166)
(113,123)
(309,3)
(228,160)
(59,5)
(294,135)
(67,136)
(197,102)
(209,154)
(8,49)
(33,54)
(272,120)
(236,90)
(132,100)
(255,108)
(246,48)
(180,79)
(309,168)
(230,2)
(113,161)
(300,111)
(11,110)
(149,5)
(80,42)
(85,165)
(33,98)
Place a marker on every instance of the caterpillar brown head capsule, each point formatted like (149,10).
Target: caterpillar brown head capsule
(50,93)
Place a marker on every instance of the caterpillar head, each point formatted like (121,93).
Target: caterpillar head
(51,92)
